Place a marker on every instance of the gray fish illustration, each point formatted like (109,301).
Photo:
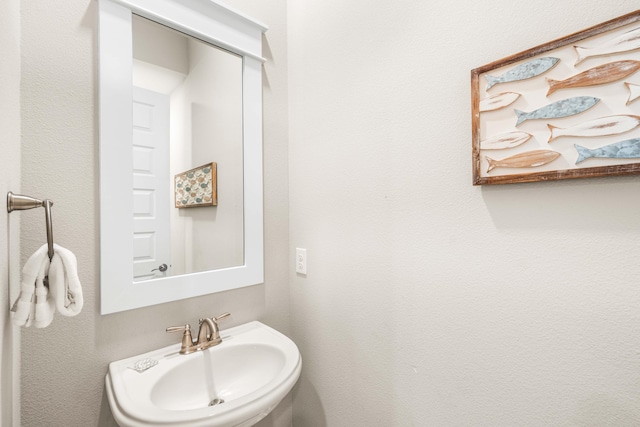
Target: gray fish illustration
(565,108)
(522,72)
(628,149)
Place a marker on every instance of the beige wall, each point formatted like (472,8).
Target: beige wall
(9,230)
(430,302)
(64,364)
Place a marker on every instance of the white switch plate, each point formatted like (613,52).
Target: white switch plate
(301,261)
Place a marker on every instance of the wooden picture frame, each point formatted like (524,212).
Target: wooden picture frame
(197,187)
(565,109)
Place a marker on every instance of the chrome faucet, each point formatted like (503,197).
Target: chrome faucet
(208,334)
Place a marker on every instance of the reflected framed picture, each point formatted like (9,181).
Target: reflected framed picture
(197,187)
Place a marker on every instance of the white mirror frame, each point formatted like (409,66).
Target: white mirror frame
(215,23)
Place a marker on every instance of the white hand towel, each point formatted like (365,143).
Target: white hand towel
(36,303)
(64,284)
(44,305)
(24,307)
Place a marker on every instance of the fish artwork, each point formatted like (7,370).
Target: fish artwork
(628,149)
(496,102)
(565,108)
(601,74)
(529,159)
(523,72)
(603,126)
(623,43)
(634,92)
(505,140)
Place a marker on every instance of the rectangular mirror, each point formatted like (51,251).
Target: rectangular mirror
(180,151)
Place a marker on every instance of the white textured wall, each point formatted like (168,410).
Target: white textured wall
(64,364)
(430,302)
(9,229)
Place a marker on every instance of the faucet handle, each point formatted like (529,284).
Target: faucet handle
(184,328)
(222,316)
(187,341)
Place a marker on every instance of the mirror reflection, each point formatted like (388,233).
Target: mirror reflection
(187,154)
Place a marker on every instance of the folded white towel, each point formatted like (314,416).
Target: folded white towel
(24,307)
(44,305)
(36,303)
(64,283)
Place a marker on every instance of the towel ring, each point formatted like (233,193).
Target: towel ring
(19,202)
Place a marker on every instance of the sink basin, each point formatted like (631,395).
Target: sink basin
(236,383)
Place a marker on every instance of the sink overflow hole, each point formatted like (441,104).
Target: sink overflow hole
(216,401)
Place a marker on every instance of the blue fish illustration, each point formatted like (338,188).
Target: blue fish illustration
(566,107)
(524,71)
(628,149)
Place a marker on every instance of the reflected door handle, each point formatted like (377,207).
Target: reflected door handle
(161,267)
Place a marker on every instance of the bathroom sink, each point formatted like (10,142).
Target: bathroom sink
(236,383)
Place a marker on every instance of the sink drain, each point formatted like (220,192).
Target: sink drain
(216,401)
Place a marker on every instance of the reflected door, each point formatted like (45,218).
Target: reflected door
(151,229)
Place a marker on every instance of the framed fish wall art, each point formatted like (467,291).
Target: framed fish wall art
(197,187)
(567,109)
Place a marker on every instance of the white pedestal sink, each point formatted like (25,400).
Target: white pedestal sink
(236,383)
